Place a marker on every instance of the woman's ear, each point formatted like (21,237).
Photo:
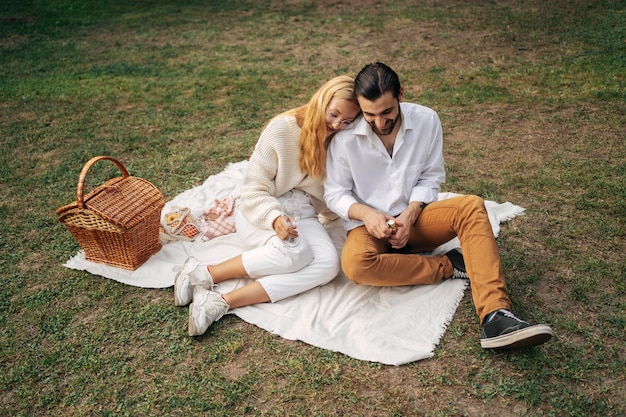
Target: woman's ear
(401,95)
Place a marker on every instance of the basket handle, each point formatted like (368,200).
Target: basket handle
(80,189)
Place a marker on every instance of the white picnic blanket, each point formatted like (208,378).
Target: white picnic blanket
(392,325)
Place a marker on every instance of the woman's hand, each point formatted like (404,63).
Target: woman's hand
(284,231)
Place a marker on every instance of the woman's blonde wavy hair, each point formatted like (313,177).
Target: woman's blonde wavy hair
(312,119)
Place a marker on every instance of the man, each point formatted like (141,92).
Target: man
(384,177)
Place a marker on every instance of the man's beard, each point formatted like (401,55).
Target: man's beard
(388,130)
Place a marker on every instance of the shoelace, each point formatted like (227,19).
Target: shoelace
(460,274)
(508,314)
(505,313)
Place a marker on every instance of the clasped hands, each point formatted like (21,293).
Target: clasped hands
(395,229)
(377,225)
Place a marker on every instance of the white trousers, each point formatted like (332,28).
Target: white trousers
(285,271)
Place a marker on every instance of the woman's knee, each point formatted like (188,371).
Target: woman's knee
(326,261)
(331,266)
(297,257)
(276,258)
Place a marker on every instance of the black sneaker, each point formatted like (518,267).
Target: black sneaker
(458,264)
(502,330)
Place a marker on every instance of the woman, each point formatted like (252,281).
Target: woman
(288,162)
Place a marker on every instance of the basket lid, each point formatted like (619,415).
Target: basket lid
(125,201)
(122,201)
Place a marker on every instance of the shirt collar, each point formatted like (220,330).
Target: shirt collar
(361,127)
(407,123)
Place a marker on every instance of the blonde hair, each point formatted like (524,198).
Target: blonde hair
(312,119)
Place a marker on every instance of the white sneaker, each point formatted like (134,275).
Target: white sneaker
(191,275)
(207,308)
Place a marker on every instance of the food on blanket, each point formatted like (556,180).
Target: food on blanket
(171,218)
(180,223)
(190,231)
(211,216)
(186,227)
(219,219)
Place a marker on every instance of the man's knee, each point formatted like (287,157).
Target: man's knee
(473,202)
(357,268)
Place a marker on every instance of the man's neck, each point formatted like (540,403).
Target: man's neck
(389,140)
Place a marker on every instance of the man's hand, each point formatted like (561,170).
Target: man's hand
(375,221)
(407,218)
(400,238)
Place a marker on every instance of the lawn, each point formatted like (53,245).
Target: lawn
(532,98)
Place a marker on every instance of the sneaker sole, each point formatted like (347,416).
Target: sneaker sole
(193,328)
(524,338)
(180,299)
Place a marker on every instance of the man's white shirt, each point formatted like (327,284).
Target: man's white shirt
(359,169)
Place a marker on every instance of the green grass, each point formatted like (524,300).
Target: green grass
(532,98)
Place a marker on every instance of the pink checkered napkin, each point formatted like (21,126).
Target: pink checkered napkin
(220,218)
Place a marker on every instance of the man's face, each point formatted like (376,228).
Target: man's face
(382,114)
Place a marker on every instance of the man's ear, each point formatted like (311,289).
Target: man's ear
(401,95)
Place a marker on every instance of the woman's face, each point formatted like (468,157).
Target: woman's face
(340,115)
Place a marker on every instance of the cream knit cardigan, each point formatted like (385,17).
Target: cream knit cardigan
(273,170)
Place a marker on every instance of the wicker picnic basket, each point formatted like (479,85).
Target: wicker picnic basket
(118,222)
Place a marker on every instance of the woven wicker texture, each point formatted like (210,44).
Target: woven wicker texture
(118,222)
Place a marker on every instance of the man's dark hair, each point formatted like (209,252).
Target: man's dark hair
(376,79)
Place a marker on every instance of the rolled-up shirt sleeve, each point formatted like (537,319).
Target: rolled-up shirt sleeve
(433,174)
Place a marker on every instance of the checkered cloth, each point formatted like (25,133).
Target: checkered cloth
(219,220)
